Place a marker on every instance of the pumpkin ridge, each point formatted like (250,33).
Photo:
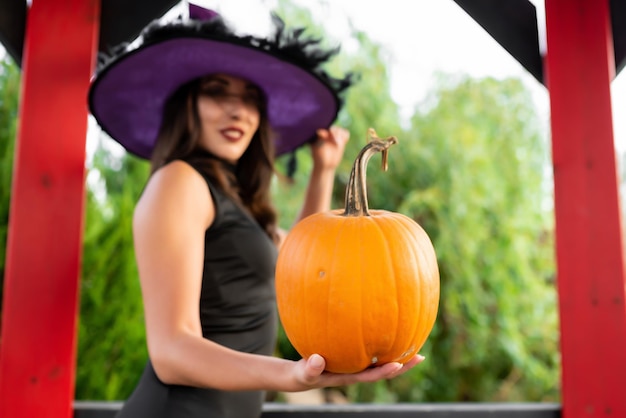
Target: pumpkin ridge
(389,257)
(416,340)
(332,279)
(312,263)
(422,259)
(434,285)
(363,355)
(368,352)
(399,229)
(340,279)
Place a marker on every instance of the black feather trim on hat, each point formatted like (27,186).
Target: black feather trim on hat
(133,80)
(290,45)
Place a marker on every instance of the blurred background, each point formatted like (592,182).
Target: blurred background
(472,166)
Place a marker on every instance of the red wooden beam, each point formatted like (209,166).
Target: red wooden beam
(590,252)
(38,340)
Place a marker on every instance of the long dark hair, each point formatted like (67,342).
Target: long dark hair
(249,183)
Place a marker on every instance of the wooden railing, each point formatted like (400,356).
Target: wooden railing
(83,409)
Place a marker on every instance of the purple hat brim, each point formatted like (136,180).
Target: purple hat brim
(128,96)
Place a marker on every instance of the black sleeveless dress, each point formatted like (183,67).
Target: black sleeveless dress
(237,309)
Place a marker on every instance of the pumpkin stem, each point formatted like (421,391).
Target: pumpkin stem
(356,191)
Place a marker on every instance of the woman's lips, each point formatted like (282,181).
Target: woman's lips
(232,134)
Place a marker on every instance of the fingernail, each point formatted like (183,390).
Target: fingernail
(420,357)
(316,361)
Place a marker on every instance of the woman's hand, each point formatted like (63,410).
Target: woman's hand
(309,373)
(327,150)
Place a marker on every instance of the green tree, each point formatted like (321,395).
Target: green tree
(368,103)
(9,93)
(471,170)
(111,344)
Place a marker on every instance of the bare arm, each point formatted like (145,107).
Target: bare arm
(169,225)
(327,153)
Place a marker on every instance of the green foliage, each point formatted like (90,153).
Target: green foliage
(9,92)
(471,172)
(471,169)
(111,344)
(367,104)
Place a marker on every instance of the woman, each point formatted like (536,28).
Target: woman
(204,228)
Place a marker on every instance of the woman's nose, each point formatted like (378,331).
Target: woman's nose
(234,104)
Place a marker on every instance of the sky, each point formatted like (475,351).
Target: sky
(443,37)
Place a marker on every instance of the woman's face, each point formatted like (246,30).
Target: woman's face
(229,112)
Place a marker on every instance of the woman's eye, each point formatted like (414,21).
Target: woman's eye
(252,98)
(213,91)
(221,94)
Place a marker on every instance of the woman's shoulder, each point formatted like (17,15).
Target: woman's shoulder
(178,175)
(176,187)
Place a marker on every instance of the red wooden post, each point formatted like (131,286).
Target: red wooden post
(38,345)
(590,252)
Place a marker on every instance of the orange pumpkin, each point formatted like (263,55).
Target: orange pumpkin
(359,287)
